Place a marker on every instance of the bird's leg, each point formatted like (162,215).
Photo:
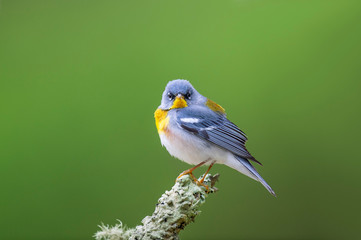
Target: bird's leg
(190,171)
(204,176)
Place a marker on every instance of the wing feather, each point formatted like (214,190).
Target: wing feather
(215,128)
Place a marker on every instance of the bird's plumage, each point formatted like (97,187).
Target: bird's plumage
(196,129)
(215,128)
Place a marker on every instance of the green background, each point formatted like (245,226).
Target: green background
(80,80)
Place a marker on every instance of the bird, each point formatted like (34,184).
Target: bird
(197,131)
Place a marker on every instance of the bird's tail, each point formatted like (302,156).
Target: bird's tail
(247,168)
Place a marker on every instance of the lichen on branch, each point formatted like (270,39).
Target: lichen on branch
(175,210)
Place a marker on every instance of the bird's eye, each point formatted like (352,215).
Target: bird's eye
(170,96)
(188,96)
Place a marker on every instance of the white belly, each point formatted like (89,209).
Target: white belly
(194,150)
(191,149)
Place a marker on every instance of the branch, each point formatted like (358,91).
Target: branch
(175,210)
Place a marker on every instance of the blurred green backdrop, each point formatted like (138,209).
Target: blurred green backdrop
(80,80)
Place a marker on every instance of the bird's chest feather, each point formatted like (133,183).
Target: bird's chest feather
(183,146)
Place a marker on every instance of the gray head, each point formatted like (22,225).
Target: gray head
(180,93)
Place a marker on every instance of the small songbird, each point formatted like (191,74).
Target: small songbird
(197,131)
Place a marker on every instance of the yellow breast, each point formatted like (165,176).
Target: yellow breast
(161,120)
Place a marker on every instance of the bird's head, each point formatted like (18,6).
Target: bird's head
(180,94)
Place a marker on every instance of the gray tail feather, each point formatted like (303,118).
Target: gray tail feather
(253,171)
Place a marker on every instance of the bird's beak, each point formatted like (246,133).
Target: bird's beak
(179,102)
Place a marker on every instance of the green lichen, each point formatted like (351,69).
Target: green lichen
(173,212)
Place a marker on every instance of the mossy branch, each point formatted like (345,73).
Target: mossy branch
(175,210)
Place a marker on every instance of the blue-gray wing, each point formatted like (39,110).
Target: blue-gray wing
(215,128)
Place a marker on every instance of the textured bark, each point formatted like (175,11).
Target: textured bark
(175,210)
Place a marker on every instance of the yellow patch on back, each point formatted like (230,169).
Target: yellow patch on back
(161,120)
(215,107)
(179,102)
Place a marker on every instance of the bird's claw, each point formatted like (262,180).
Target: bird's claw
(185,173)
(198,182)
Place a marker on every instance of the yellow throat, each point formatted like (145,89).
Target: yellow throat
(161,119)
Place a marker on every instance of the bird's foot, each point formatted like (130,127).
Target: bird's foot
(190,171)
(198,182)
(190,174)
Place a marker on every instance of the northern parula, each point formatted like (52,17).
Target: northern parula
(197,131)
